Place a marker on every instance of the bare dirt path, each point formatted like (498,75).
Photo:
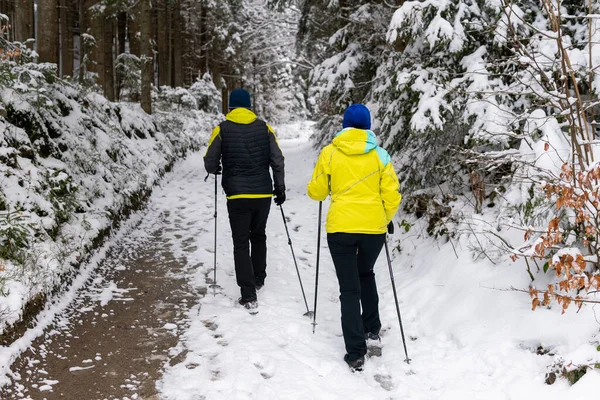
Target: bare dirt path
(116,336)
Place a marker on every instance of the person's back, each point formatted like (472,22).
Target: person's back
(360,174)
(246,154)
(247,147)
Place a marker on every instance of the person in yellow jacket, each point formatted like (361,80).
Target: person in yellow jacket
(365,196)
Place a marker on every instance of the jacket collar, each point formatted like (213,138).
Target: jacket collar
(241,116)
(355,141)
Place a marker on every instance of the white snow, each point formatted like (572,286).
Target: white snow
(169,326)
(75,369)
(468,336)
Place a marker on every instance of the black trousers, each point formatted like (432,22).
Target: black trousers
(248,220)
(354,256)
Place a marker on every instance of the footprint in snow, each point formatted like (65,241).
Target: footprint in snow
(385,381)
(374,350)
(210,325)
(215,375)
(192,365)
(264,374)
(190,249)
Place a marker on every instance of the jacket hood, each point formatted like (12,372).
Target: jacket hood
(355,141)
(241,116)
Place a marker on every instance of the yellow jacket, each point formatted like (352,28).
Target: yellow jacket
(362,182)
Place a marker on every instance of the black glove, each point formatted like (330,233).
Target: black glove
(279,195)
(219,169)
(391,228)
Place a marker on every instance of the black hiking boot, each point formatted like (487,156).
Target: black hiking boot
(249,303)
(355,365)
(370,336)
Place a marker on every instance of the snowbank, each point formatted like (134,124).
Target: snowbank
(72,166)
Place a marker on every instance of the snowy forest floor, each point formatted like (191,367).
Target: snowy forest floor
(147,326)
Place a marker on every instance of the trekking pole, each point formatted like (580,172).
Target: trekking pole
(389,260)
(308,312)
(314,324)
(214,285)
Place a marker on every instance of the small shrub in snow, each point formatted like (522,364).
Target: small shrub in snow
(208,97)
(174,99)
(128,68)
(14,234)
(575,229)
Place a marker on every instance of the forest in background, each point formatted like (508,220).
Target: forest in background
(124,48)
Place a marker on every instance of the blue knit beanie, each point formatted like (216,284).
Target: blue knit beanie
(357,116)
(239,98)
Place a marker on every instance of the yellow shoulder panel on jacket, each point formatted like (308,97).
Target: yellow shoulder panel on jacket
(216,132)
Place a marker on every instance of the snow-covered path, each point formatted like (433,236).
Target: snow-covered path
(230,354)
(465,340)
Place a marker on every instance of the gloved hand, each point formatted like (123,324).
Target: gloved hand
(219,169)
(391,228)
(279,195)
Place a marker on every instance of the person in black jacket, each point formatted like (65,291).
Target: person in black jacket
(247,147)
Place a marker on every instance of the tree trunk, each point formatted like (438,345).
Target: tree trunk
(162,41)
(23,20)
(95,53)
(121,32)
(82,47)
(203,39)
(109,81)
(121,37)
(47,39)
(66,37)
(133,29)
(176,69)
(145,15)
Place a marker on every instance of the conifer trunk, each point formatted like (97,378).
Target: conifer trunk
(133,29)
(121,37)
(109,81)
(47,40)
(95,53)
(177,67)
(66,37)
(145,15)
(23,20)
(162,19)
(82,46)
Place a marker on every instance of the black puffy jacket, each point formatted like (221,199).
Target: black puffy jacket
(247,147)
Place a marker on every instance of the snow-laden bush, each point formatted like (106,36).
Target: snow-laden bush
(72,165)
(129,73)
(173,99)
(208,97)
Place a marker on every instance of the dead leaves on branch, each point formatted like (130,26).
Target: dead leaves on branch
(577,195)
